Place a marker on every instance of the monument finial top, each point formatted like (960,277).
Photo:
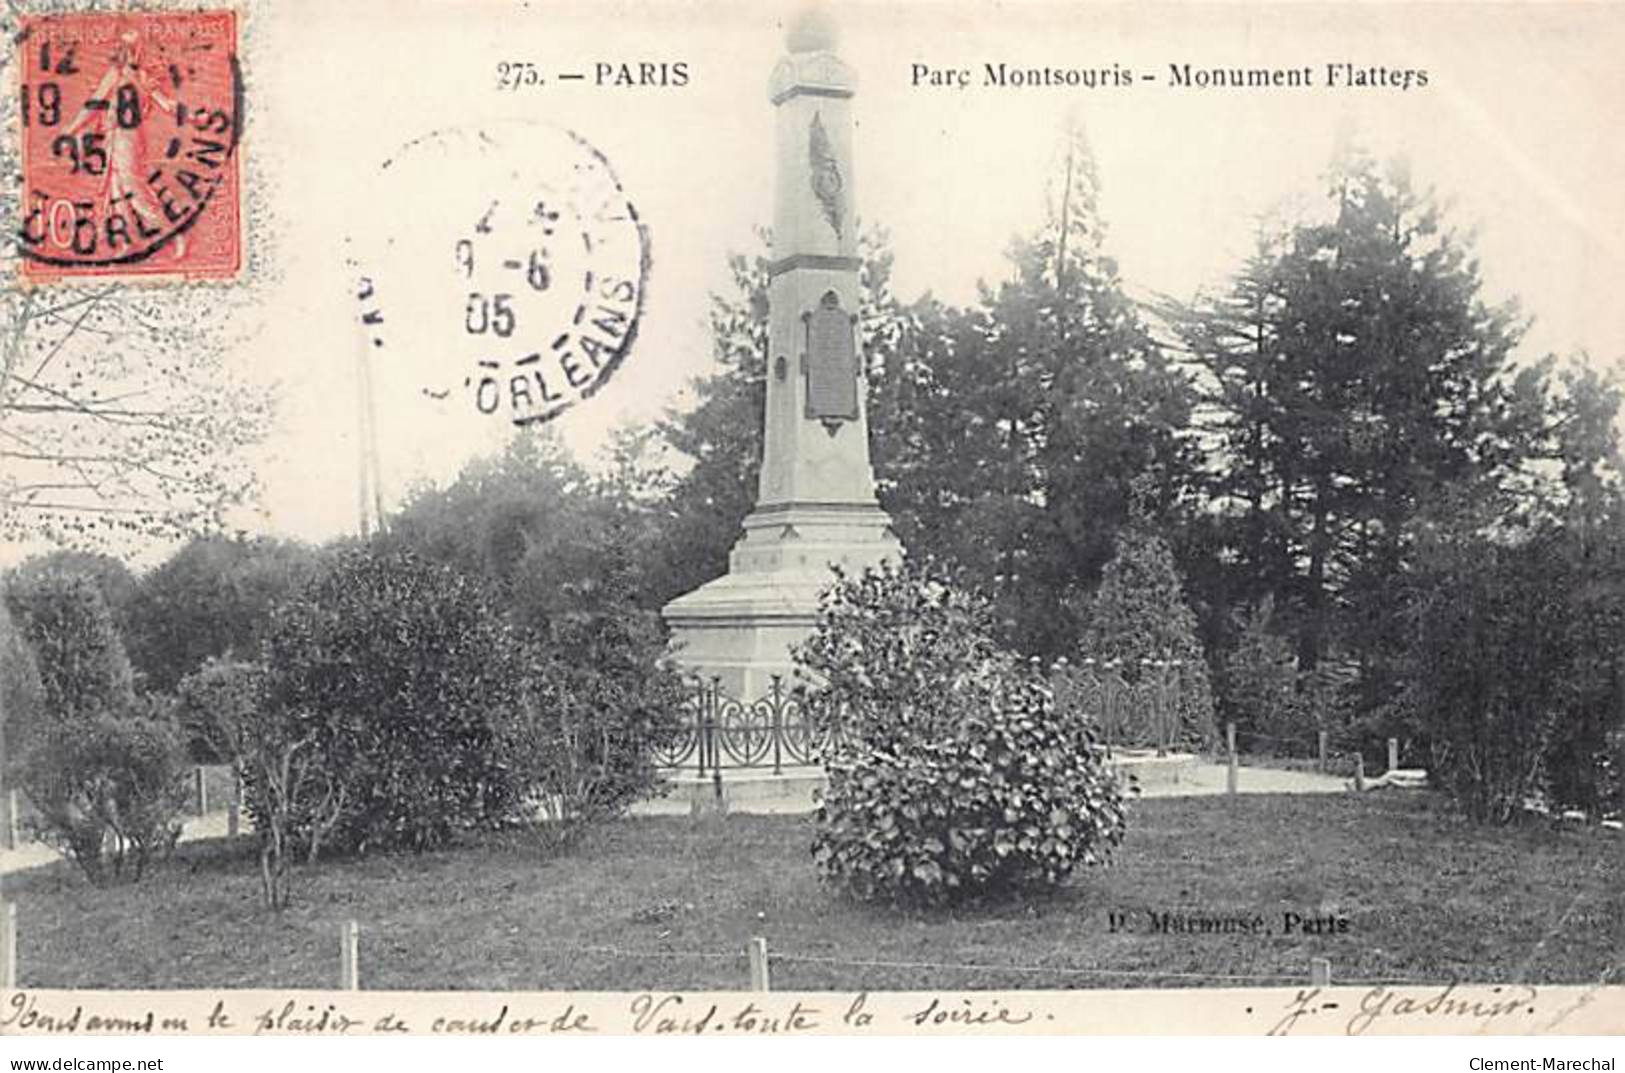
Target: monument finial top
(811,30)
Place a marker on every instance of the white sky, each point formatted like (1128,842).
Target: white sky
(1519,125)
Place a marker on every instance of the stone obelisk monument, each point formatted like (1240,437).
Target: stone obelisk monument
(815,505)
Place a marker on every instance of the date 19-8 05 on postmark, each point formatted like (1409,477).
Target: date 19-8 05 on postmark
(129,124)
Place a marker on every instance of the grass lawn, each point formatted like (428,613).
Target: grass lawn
(670,902)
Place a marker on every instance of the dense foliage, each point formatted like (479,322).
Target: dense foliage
(83,668)
(401,705)
(21,696)
(101,768)
(955,775)
(1261,687)
(212,598)
(402,676)
(1520,674)
(218,706)
(600,697)
(108,791)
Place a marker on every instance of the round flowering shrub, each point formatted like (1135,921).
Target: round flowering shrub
(953,774)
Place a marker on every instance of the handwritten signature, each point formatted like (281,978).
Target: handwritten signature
(1383,1006)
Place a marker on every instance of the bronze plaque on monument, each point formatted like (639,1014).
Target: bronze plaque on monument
(831,363)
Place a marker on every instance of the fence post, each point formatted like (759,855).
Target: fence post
(9,836)
(8,946)
(1359,771)
(1230,743)
(350,956)
(1393,753)
(1320,972)
(1321,744)
(756,951)
(778,726)
(200,790)
(709,750)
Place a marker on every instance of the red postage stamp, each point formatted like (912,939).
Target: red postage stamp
(129,125)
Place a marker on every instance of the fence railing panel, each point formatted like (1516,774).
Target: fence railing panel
(782,728)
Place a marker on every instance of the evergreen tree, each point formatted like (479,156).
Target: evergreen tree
(1139,621)
(1585,431)
(1037,414)
(1364,391)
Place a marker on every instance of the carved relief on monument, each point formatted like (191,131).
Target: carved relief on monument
(825,173)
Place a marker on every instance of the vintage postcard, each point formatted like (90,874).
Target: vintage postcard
(837,518)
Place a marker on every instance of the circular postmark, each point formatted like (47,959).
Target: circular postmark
(129,123)
(512,285)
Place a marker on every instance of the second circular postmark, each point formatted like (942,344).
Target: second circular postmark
(511,270)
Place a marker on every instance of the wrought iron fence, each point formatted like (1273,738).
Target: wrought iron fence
(777,730)
(1142,714)
(719,731)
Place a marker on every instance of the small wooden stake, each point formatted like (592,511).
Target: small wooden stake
(8,946)
(1230,743)
(1321,741)
(1320,972)
(756,951)
(1393,753)
(200,789)
(10,838)
(1359,771)
(350,957)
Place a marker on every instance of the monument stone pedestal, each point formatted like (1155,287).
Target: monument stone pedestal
(740,627)
(816,505)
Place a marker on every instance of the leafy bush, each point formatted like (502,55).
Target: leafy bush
(954,774)
(600,697)
(109,791)
(218,706)
(400,680)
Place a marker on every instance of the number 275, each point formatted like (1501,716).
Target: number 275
(516,74)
